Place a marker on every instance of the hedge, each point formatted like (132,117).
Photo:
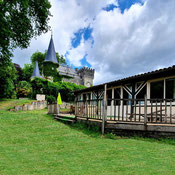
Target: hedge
(41,86)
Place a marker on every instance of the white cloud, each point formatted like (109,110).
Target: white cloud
(75,55)
(68,17)
(139,40)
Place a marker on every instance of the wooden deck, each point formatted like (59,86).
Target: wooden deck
(149,129)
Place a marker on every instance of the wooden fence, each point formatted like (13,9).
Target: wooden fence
(128,110)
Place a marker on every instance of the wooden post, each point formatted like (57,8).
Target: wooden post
(145,111)
(75,101)
(104,109)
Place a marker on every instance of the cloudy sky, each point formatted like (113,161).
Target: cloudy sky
(117,38)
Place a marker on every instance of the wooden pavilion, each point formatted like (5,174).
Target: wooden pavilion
(137,101)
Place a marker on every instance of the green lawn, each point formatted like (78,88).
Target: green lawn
(33,143)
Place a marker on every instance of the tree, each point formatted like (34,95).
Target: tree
(19,72)
(8,77)
(23,89)
(40,57)
(27,71)
(48,69)
(21,21)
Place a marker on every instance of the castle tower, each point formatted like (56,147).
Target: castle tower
(36,72)
(87,76)
(50,63)
(51,55)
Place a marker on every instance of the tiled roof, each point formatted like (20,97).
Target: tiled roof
(140,77)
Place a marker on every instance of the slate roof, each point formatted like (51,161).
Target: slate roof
(65,70)
(36,72)
(165,72)
(51,55)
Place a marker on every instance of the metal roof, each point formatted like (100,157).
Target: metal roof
(51,55)
(136,78)
(36,72)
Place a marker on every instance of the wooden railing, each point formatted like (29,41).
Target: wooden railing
(128,110)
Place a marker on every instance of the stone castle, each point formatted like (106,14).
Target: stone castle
(83,76)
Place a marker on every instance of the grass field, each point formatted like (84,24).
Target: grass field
(33,143)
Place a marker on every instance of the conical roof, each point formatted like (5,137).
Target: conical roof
(51,55)
(36,72)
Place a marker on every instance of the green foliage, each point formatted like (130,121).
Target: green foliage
(27,72)
(7,78)
(51,99)
(19,72)
(49,69)
(21,21)
(23,89)
(48,88)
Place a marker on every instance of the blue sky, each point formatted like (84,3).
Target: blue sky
(117,38)
(85,33)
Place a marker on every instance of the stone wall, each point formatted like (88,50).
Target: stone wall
(33,106)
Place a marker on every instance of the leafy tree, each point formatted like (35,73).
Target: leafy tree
(40,57)
(21,21)
(23,89)
(27,71)
(48,69)
(8,77)
(19,72)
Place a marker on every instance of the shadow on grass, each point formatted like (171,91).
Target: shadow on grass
(95,131)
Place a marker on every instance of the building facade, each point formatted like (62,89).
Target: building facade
(150,95)
(83,76)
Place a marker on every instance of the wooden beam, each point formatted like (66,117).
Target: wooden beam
(127,90)
(105,109)
(140,88)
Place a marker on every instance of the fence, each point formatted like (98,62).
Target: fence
(128,110)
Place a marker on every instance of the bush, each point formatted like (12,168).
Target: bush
(23,89)
(51,99)
(41,86)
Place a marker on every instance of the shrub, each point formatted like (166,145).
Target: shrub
(23,89)
(41,86)
(51,99)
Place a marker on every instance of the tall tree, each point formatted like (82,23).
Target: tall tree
(8,76)
(21,20)
(27,71)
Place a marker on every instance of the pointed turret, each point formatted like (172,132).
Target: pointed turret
(51,55)
(36,72)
